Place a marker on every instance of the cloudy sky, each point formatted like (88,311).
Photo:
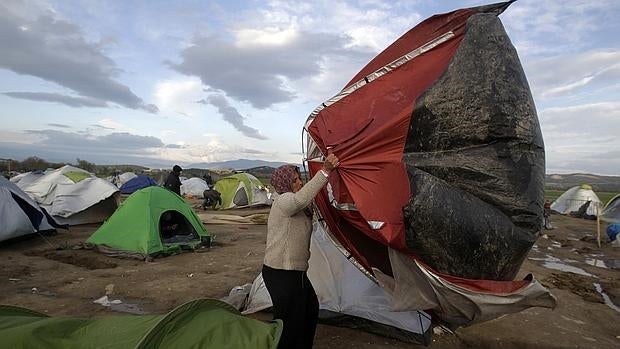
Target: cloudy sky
(201,81)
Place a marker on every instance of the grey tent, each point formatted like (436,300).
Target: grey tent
(19,214)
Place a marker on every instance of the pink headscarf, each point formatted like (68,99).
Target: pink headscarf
(282,178)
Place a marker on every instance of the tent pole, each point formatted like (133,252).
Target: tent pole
(598,224)
(598,229)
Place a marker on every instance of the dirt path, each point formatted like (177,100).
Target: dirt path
(37,275)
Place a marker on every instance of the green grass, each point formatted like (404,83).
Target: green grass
(603,196)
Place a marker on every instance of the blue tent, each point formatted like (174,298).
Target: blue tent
(137,183)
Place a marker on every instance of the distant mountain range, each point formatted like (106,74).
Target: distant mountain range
(240,164)
(598,183)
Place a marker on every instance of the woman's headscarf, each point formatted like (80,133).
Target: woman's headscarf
(282,178)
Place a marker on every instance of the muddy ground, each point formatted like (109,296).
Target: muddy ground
(52,275)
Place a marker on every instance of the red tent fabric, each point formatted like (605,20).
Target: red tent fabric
(366,127)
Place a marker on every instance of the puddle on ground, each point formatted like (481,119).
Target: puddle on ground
(604,263)
(551,262)
(606,298)
(133,306)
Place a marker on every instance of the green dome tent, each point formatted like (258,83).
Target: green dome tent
(202,323)
(150,222)
(241,190)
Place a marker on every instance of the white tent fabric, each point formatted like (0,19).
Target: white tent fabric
(63,198)
(342,288)
(24,179)
(576,196)
(194,187)
(125,177)
(458,304)
(15,221)
(611,212)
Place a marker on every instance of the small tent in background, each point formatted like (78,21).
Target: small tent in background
(194,187)
(125,177)
(137,183)
(347,297)
(74,196)
(574,198)
(241,190)
(611,212)
(152,221)
(19,214)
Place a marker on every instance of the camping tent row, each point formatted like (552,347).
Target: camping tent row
(19,214)
(575,197)
(72,196)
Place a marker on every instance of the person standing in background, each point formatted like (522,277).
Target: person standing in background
(173,183)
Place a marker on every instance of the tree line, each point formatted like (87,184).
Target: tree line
(35,163)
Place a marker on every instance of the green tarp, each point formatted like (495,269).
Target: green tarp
(77,176)
(134,229)
(202,323)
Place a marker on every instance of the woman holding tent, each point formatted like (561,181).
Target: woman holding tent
(288,250)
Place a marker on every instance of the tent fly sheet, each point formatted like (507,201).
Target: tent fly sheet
(441,177)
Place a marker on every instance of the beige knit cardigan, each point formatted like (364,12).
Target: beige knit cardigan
(289,228)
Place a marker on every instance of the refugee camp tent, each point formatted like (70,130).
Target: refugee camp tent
(24,179)
(194,187)
(348,297)
(74,196)
(201,323)
(137,183)
(440,186)
(125,177)
(150,222)
(19,214)
(241,190)
(611,212)
(572,199)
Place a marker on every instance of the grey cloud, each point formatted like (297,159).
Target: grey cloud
(117,141)
(174,146)
(59,125)
(257,74)
(565,74)
(99,156)
(55,50)
(101,126)
(582,137)
(58,98)
(253,151)
(232,116)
